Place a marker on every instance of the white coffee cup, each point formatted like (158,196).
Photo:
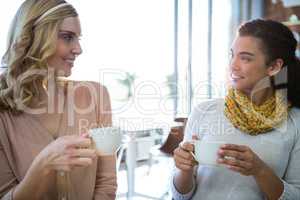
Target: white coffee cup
(206,152)
(106,140)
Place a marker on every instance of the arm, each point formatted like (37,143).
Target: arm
(248,163)
(184,180)
(10,187)
(29,186)
(291,179)
(8,180)
(106,178)
(287,188)
(183,186)
(61,155)
(269,183)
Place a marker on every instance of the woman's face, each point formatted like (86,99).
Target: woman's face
(248,64)
(67,47)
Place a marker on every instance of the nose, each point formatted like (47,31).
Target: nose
(234,64)
(77,50)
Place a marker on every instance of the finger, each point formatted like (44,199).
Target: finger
(231,153)
(63,168)
(237,169)
(181,160)
(186,146)
(240,148)
(234,162)
(80,162)
(183,154)
(80,142)
(184,167)
(90,153)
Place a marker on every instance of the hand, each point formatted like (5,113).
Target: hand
(241,159)
(183,157)
(67,152)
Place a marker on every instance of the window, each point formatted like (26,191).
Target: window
(203,46)
(132,47)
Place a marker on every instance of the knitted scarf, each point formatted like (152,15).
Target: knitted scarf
(253,119)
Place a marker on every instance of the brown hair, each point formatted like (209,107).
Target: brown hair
(277,42)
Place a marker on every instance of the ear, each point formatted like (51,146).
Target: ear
(275,67)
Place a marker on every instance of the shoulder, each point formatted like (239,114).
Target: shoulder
(295,112)
(87,87)
(4,121)
(207,109)
(209,106)
(294,115)
(294,118)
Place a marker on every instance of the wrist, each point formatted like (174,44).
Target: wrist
(41,167)
(184,181)
(186,175)
(261,173)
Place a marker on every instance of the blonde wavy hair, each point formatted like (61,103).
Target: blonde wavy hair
(28,49)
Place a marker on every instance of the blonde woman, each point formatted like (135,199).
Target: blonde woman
(258,122)
(45,152)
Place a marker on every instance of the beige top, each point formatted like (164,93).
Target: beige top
(22,137)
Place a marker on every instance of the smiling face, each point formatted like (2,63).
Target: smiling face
(67,47)
(248,64)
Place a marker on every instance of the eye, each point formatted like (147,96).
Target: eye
(68,38)
(245,58)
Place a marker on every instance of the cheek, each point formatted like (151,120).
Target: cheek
(56,59)
(61,50)
(255,71)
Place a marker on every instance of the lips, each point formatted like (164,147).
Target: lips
(70,61)
(236,77)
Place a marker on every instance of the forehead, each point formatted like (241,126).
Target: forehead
(247,43)
(71,24)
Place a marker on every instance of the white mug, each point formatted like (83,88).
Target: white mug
(206,152)
(106,140)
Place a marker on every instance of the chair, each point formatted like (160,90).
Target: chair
(166,149)
(120,154)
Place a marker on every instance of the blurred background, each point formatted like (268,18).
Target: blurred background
(158,58)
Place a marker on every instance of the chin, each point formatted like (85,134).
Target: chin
(239,88)
(67,74)
(64,74)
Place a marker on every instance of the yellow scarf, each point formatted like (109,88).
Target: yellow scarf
(253,119)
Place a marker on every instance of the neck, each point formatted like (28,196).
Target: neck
(50,97)
(260,96)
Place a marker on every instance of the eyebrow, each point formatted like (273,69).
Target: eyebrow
(70,32)
(243,53)
(246,53)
